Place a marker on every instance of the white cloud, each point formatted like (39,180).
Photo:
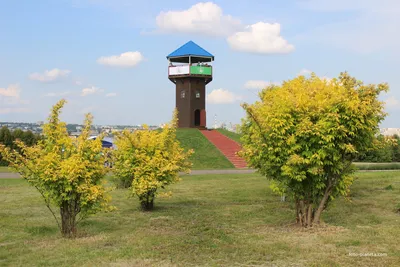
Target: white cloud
(127,59)
(304,72)
(392,103)
(221,96)
(90,90)
(260,38)
(258,84)
(53,94)
(13,90)
(111,94)
(49,75)
(10,96)
(205,18)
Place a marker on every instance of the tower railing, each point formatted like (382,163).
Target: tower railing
(190,69)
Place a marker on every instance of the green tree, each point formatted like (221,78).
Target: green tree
(149,160)
(396,148)
(383,149)
(6,139)
(304,134)
(29,138)
(18,134)
(68,173)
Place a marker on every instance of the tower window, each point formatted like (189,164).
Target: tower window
(197,94)
(183,94)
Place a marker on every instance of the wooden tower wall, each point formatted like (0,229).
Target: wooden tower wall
(188,105)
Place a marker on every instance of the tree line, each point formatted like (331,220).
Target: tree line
(383,149)
(8,137)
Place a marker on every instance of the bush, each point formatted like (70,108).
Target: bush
(149,160)
(304,135)
(68,173)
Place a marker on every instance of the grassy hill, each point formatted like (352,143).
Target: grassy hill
(231,135)
(206,155)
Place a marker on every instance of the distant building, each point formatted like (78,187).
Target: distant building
(390,131)
(94,132)
(75,134)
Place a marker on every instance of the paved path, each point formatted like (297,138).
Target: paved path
(226,146)
(9,175)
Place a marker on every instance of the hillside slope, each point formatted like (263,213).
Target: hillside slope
(234,136)
(206,155)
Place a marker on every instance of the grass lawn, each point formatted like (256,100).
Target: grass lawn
(213,220)
(231,135)
(4,169)
(206,155)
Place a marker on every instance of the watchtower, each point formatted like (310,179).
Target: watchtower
(190,70)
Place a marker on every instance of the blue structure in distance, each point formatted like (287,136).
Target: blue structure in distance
(190,52)
(106,142)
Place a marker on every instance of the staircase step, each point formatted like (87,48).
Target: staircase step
(227,146)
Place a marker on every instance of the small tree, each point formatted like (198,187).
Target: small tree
(66,172)
(305,133)
(149,160)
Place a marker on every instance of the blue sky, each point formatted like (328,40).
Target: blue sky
(108,57)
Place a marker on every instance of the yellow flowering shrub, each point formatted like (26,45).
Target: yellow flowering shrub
(68,173)
(150,160)
(304,135)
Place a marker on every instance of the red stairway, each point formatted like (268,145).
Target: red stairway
(227,146)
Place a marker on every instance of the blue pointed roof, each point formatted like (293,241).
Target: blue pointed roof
(190,49)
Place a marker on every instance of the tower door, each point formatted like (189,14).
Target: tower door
(197,117)
(203,118)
